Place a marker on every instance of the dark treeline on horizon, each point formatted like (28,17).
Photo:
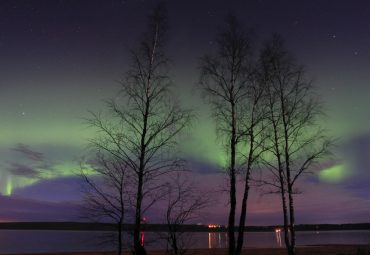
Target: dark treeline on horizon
(88,226)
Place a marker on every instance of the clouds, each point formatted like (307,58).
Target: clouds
(59,189)
(355,152)
(319,203)
(349,168)
(29,162)
(23,170)
(203,167)
(24,165)
(25,151)
(322,203)
(43,184)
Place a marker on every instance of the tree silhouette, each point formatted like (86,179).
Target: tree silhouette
(296,141)
(184,203)
(144,121)
(229,83)
(253,138)
(105,192)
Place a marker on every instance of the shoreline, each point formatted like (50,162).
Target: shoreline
(325,249)
(89,226)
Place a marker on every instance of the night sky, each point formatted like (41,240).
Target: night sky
(60,59)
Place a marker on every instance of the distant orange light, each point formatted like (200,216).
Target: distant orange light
(213,226)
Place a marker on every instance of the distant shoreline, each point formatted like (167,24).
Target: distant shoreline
(81,226)
(302,250)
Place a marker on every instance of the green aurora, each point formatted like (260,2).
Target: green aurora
(64,169)
(335,174)
(36,129)
(201,143)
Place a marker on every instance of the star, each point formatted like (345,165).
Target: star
(210,14)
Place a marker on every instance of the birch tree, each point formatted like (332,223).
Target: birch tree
(296,140)
(144,121)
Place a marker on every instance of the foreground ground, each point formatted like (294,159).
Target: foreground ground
(307,250)
(303,250)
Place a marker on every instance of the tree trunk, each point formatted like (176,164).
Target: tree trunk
(139,195)
(175,248)
(137,229)
(286,223)
(291,248)
(243,214)
(292,221)
(231,227)
(119,238)
(285,210)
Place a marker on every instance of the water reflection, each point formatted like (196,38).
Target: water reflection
(217,240)
(28,241)
(260,239)
(142,237)
(278,237)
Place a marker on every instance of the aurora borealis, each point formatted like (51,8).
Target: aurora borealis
(59,59)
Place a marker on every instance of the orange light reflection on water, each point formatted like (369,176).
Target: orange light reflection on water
(215,240)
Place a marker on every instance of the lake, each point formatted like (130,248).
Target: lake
(27,241)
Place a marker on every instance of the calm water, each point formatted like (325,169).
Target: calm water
(27,241)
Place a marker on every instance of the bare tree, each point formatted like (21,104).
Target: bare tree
(184,203)
(253,137)
(296,141)
(105,193)
(229,83)
(144,121)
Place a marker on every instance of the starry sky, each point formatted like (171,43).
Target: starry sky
(61,58)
